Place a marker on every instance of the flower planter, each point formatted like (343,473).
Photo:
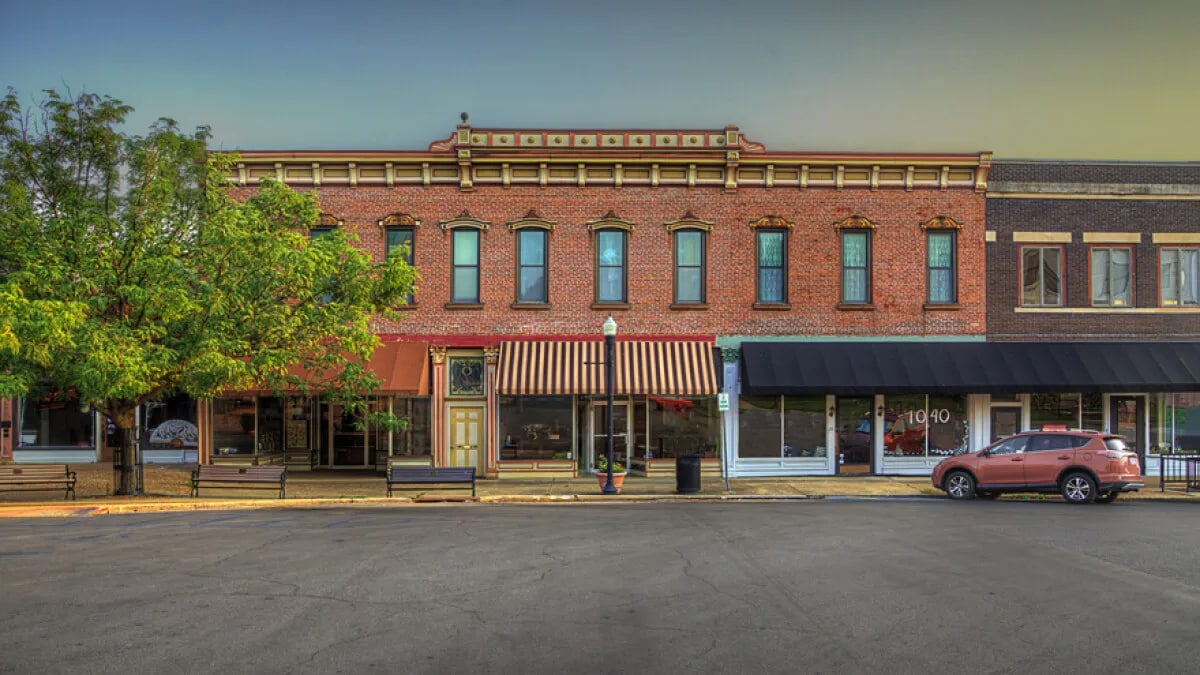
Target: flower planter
(618,479)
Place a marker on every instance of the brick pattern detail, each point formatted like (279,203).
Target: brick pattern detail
(1079,216)
(898,246)
(1076,172)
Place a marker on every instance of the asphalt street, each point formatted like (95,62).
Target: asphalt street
(822,586)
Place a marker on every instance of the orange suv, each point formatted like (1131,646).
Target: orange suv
(1083,466)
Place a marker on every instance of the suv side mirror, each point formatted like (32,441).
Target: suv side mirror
(984,453)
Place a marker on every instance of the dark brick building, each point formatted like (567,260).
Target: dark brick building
(1106,253)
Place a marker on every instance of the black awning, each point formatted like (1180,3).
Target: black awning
(770,368)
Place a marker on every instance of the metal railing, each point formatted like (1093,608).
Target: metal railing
(1179,470)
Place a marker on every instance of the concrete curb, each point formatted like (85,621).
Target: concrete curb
(98,508)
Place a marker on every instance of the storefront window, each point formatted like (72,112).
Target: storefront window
(233,426)
(535,427)
(925,426)
(169,424)
(1050,411)
(906,422)
(1092,412)
(412,441)
(759,426)
(804,426)
(683,425)
(270,424)
(54,419)
(1175,423)
(949,425)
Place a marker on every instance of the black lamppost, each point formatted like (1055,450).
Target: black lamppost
(610,339)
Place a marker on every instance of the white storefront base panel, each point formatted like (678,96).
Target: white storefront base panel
(171,456)
(909,466)
(55,456)
(787,466)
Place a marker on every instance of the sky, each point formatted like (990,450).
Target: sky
(1060,79)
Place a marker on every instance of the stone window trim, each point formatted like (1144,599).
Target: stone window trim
(464,220)
(399,220)
(531,220)
(941,223)
(772,222)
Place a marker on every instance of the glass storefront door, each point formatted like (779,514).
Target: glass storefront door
(342,441)
(599,432)
(1127,417)
(1006,421)
(855,434)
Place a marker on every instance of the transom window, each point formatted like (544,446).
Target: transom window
(1112,277)
(772,266)
(689,266)
(610,266)
(1180,276)
(531,266)
(942,261)
(465,274)
(1041,276)
(856,266)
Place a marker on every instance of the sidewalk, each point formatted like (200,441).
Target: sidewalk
(167,490)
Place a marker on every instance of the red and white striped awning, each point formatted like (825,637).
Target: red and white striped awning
(680,368)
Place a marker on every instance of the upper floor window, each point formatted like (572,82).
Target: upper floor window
(772,266)
(464,282)
(1179,277)
(400,241)
(531,266)
(942,261)
(611,250)
(1112,277)
(1041,276)
(689,267)
(319,233)
(856,266)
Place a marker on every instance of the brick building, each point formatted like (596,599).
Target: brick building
(1102,261)
(711,252)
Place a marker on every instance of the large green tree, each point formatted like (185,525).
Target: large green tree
(129,273)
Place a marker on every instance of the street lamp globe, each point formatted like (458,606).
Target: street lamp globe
(610,327)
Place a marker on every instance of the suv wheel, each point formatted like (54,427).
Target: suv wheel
(960,485)
(1107,497)
(1078,488)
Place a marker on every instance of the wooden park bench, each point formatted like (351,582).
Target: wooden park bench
(421,475)
(27,477)
(268,477)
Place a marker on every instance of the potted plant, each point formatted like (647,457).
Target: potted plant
(602,473)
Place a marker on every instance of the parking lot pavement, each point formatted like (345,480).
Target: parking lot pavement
(850,586)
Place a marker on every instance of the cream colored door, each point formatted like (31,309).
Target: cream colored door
(466,435)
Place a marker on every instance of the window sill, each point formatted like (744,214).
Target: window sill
(941,307)
(688,306)
(463,305)
(407,308)
(771,306)
(611,306)
(531,305)
(855,307)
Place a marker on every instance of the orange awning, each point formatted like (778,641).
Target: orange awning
(678,368)
(403,368)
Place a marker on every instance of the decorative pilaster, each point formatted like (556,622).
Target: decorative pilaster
(437,407)
(491,463)
(462,146)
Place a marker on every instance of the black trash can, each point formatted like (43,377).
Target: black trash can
(687,474)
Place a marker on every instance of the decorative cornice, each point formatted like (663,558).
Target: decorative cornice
(329,220)
(531,220)
(941,223)
(464,219)
(773,222)
(689,222)
(855,223)
(610,220)
(399,220)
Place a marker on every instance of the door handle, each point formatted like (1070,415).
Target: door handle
(1064,457)
(1017,459)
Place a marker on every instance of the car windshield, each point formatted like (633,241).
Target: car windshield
(1116,443)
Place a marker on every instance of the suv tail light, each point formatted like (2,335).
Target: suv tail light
(1113,454)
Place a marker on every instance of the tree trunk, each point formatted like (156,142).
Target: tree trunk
(127,463)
